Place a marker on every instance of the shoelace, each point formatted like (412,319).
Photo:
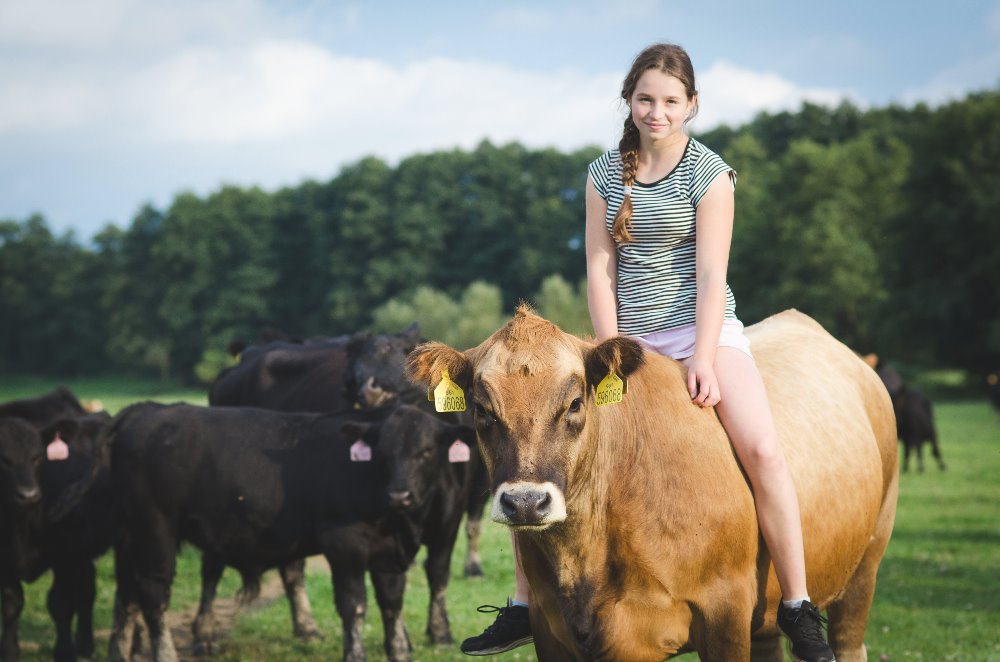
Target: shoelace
(811,629)
(489,609)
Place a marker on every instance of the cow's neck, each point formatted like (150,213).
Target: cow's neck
(626,502)
(18,536)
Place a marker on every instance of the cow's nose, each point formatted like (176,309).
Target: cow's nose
(28,495)
(526,506)
(401,499)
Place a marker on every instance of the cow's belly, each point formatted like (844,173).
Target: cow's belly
(645,630)
(836,462)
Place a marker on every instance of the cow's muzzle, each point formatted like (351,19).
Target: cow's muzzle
(27,495)
(528,504)
(371,394)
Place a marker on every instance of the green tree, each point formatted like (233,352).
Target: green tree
(564,306)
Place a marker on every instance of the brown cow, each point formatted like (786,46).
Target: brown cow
(636,525)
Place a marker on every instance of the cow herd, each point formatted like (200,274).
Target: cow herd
(305,448)
(635,522)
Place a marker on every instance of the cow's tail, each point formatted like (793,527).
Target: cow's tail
(250,589)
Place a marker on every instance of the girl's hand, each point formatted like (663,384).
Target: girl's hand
(703,386)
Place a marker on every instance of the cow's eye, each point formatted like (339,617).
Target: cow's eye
(483,417)
(575,405)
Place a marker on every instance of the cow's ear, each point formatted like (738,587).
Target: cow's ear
(66,428)
(425,364)
(357,342)
(463,433)
(619,355)
(411,335)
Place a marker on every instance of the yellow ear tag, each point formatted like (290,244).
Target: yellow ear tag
(448,396)
(610,390)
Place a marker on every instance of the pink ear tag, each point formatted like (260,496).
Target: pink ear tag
(458,451)
(361,452)
(57,449)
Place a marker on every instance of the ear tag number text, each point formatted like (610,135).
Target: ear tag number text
(448,396)
(610,390)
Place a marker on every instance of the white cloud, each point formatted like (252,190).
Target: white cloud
(271,91)
(58,23)
(733,95)
(957,81)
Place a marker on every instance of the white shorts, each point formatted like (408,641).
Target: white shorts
(678,343)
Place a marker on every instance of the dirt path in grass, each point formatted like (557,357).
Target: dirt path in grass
(227,614)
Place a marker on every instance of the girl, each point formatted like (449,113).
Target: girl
(659,225)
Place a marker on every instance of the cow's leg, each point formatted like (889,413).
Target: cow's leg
(473,561)
(124,638)
(350,598)
(203,627)
(11,604)
(389,589)
(86,594)
(848,614)
(907,450)
(293,577)
(155,562)
(61,602)
(919,445)
(439,536)
(478,496)
(767,649)
(726,628)
(937,452)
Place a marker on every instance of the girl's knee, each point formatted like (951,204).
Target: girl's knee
(763,458)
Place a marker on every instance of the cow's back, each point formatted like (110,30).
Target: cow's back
(287,377)
(232,479)
(836,424)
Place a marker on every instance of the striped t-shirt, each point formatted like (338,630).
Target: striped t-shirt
(656,270)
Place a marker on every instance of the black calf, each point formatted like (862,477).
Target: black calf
(256,489)
(54,514)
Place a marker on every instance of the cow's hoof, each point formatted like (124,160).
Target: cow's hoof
(440,638)
(473,570)
(309,635)
(201,648)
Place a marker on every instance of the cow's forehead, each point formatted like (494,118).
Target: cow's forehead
(553,359)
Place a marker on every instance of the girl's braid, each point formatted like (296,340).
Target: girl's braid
(628,149)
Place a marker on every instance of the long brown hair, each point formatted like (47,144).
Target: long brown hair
(673,61)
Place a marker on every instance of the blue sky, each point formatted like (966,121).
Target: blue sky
(109,104)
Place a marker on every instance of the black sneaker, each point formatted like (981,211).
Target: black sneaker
(804,626)
(510,630)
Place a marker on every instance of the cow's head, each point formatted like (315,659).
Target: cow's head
(532,390)
(377,364)
(415,447)
(22,456)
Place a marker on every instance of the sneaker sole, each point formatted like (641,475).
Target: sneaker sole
(517,643)
(795,657)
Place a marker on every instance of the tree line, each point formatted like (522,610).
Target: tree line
(883,224)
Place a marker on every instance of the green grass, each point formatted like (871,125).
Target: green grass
(114,392)
(937,597)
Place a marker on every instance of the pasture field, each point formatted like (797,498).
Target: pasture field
(938,596)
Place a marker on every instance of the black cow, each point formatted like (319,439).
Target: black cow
(377,371)
(288,376)
(44,409)
(993,387)
(54,514)
(255,489)
(914,415)
(339,374)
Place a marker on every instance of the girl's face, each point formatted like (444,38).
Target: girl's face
(660,105)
